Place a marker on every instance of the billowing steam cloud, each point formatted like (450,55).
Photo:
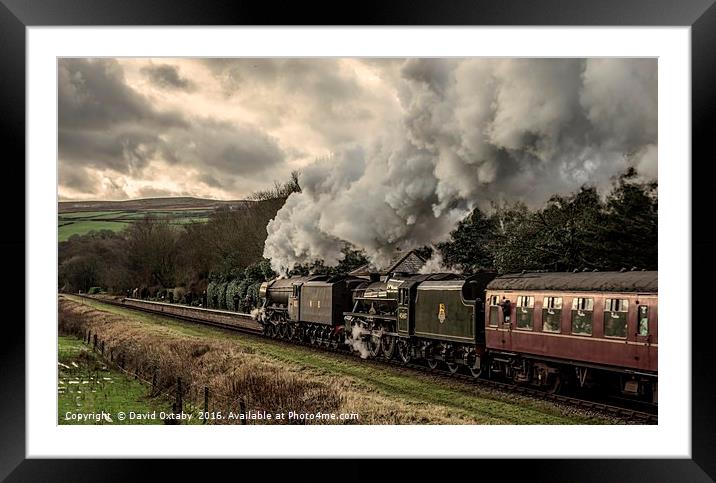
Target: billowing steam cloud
(473,130)
(436,264)
(355,341)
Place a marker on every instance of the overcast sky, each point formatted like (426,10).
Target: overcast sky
(213,128)
(222,128)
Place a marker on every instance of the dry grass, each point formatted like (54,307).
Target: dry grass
(231,372)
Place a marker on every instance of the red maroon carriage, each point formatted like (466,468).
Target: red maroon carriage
(582,328)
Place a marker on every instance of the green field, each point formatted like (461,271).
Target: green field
(86,214)
(82,222)
(83,227)
(86,385)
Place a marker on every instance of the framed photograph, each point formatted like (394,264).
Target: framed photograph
(424,233)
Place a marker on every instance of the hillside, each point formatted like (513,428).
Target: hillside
(81,217)
(147,204)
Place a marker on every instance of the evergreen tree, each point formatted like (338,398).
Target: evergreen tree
(470,246)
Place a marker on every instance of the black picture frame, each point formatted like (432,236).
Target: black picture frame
(700,15)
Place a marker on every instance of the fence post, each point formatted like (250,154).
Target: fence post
(179,401)
(242,408)
(154,382)
(101,347)
(206,403)
(174,410)
(94,340)
(89,335)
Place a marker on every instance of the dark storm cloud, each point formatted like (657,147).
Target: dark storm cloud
(78,179)
(315,78)
(326,98)
(167,77)
(123,149)
(93,94)
(210,181)
(106,124)
(232,148)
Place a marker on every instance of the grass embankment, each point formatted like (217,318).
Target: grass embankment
(282,377)
(87,386)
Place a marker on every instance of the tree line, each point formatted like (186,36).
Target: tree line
(220,262)
(186,263)
(578,231)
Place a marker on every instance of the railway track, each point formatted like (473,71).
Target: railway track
(627,411)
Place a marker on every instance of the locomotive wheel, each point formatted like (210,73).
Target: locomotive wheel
(474,366)
(404,350)
(291,330)
(374,346)
(556,385)
(453,367)
(312,336)
(272,331)
(326,338)
(388,346)
(335,340)
(432,363)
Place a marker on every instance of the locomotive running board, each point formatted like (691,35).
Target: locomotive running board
(371,316)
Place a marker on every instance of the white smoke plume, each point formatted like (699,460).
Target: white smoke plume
(436,264)
(473,131)
(356,342)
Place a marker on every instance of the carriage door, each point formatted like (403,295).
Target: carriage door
(294,303)
(643,333)
(403,310)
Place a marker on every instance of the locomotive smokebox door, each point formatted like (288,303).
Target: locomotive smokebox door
(403,310)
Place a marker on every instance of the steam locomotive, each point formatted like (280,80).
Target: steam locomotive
(579,329)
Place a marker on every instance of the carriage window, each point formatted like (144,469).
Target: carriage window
(615,317)
(494,316)
(525,307)
(643,320)
(552,314)
(582,309)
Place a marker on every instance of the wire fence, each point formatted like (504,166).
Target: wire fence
(177,371)
(186,396)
